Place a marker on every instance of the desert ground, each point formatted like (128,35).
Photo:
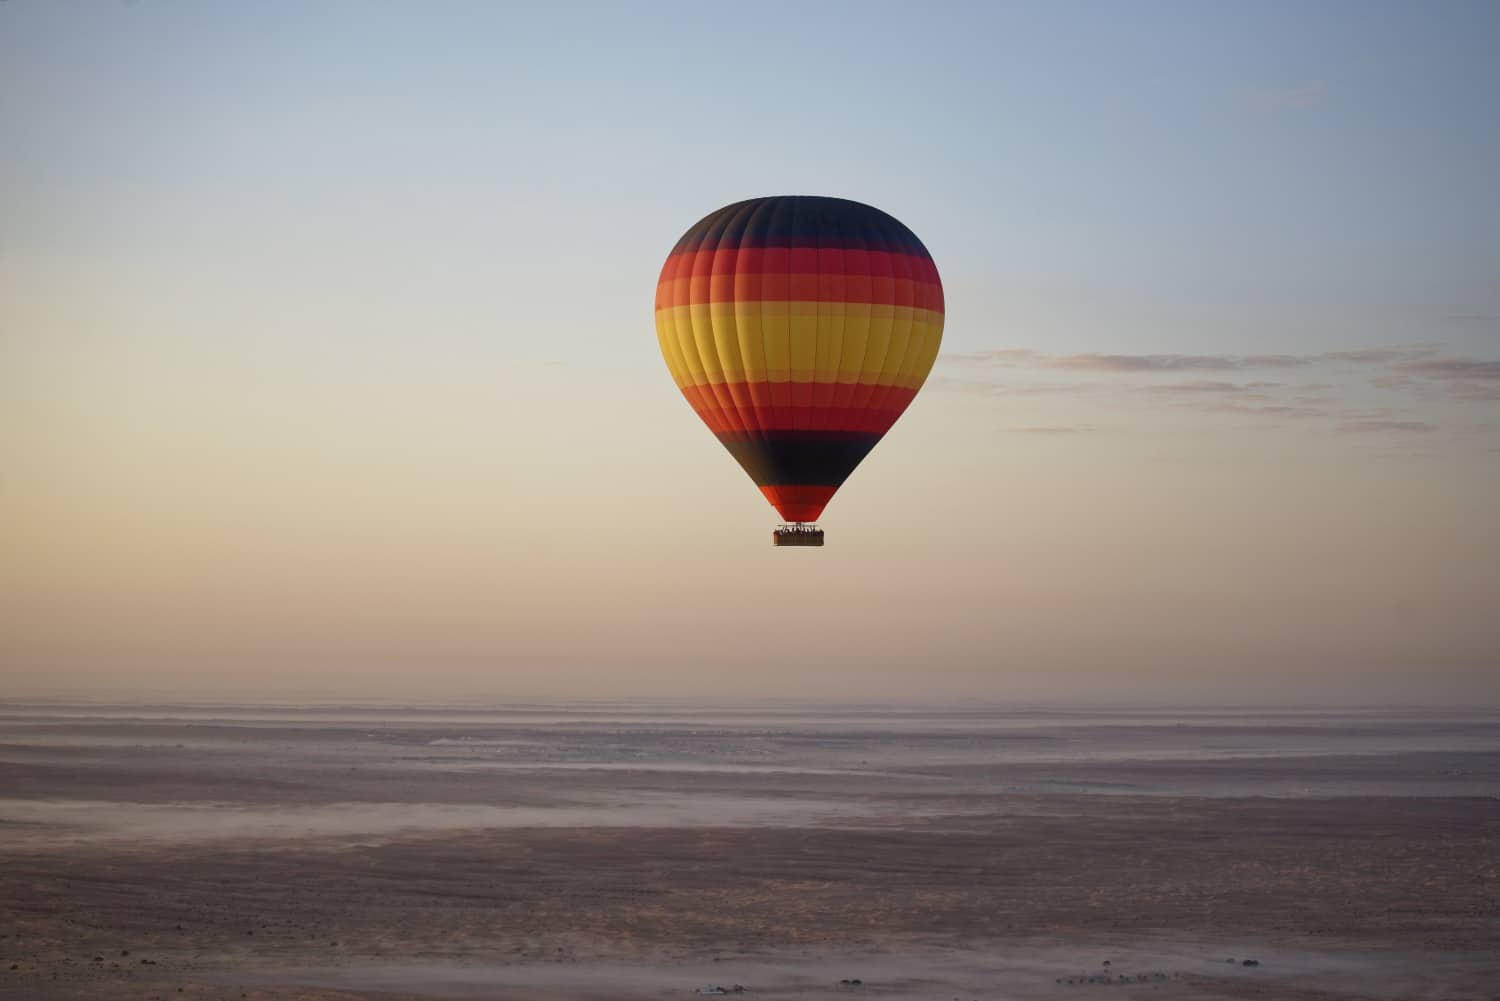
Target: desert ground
(632,851)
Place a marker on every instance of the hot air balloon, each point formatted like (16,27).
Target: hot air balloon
(799,328)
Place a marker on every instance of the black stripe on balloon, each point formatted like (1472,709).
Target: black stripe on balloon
(799,458)
(801,221)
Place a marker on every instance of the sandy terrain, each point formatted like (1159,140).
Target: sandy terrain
(624,853)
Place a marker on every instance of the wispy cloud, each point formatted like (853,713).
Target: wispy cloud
(1379,356)
(1279,410)
(1055,429)
(1453,368)
(1171,363)
(1466,380)
(1338,391)
(1000,356)
(1148,363)
(1473,392)
(1381,427)
(1194,386)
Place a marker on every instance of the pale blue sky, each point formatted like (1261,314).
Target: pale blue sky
(1229,157)
(304,308)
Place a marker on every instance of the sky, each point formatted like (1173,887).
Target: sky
(328,367)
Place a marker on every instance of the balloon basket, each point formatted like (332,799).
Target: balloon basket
(797,534)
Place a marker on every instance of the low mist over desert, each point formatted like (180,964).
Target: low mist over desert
(570,851)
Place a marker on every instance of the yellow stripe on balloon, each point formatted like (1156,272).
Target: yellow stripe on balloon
(800,341)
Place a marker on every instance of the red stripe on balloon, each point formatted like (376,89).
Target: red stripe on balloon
(796,406)
(799,503)
(787,261)
(801,288)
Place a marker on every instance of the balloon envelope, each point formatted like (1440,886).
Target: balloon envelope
(799,328)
